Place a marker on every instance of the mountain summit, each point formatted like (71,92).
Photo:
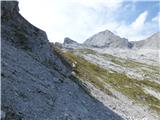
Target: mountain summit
(69,43)
(107,39)
(67,40)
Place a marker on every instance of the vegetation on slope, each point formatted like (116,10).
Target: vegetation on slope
(87,71)
(148,71)
(130,87)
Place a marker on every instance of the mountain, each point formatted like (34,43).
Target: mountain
(145,51)
(152,42)
(46,81)
(127,86)
(36,82)
(106,39)
(69,41)
(124,78)
(71,44)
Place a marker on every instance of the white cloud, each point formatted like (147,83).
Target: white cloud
(114,4)
(138,29)
(79,19)
(139,22)
(68,18)
(156,18)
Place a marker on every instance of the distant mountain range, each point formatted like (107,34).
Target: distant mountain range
(107,39)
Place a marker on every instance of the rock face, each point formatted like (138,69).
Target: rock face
(69,41)
(59,45)
(107,39)
(21,34)
(71,44)
(152,42)
(36,84)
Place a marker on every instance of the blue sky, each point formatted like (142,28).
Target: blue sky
(136,8)
(80,19)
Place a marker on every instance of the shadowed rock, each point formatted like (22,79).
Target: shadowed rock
(35,82)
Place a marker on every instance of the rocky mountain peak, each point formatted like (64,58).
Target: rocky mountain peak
(67,40)
(71,44)
(107,39)
(107,32)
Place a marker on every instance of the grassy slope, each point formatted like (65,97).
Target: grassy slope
(130,87)
(148,71)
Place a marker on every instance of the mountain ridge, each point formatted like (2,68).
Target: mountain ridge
(107,39)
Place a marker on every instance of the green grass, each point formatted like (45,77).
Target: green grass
(120,61)
(130,87)
(87,71)
(148,71)
(151,84)
(87,51)
(134,89)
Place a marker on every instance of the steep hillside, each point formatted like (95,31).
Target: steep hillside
(36,83)
(125,79)
(129,88)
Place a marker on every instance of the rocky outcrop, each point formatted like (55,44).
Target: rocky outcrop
(71,44)
(21,34)
(106,39)
(69,41)
(36,84)
(57,44)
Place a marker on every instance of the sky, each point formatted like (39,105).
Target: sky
(80,19)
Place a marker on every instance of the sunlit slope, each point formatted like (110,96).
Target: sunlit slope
(100,77)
